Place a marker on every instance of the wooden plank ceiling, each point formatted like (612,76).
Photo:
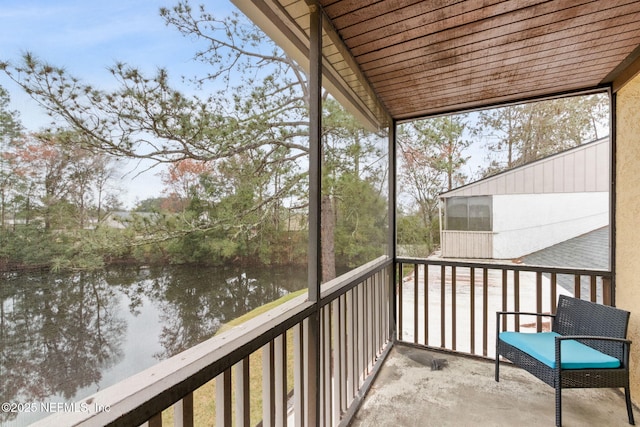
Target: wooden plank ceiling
(425,57)
(414,58)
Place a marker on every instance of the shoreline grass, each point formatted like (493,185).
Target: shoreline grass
(204,406)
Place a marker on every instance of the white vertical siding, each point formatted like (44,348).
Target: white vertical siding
(467,244)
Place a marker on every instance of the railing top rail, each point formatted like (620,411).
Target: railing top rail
(505,266)
(340,285)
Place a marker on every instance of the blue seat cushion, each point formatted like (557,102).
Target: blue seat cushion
(575,355)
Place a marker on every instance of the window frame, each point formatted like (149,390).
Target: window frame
(464,200)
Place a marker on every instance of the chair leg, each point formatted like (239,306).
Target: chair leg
(497,368)
(627,395)
(558,406)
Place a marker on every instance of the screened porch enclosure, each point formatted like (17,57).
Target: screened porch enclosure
(316,357)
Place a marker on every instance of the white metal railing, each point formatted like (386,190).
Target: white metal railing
(267,369)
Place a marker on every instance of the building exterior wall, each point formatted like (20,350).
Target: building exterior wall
(525,223)
(627,219)
(537,205)
(466,244)
(582,169)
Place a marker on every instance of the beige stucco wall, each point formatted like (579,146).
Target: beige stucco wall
(627,218)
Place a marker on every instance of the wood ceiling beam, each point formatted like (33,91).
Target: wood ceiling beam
(625,71)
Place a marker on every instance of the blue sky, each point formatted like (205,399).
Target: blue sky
(86,37)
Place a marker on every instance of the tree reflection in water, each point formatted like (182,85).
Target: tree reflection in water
(195,302)
(58,333)
(65,336)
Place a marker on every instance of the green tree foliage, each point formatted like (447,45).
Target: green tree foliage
(361,221)
(66,180)
(251,141)
(520,134)
(58,198)
(432,153)
(353,184)
(411,234)
(243,137)
(10,132)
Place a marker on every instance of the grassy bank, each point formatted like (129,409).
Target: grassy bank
(204,405)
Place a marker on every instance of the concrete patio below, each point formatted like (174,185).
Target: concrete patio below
(462,392)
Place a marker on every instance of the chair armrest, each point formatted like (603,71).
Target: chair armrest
(592,337)
(519,313)
(527,313)
(626,345)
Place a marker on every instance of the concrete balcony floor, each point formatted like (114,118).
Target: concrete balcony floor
(407,392)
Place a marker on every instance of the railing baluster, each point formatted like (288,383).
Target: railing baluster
(326,401)
(371,334)
(308,399)
(155,421)
(426,304)
(516,298)
(377,297)
(485,310)
(606,291)
(362,363)
(388,290)
(504,298)
(280,374)
(351,362)
(553,295)
(442,306)
(242,393)
(415,303)
(344,353)
(453,308)
(356,341)
(366,327)
(539,300)
(383,303)
(298,375)
(183,412)
(337,358)
(399,302)
(268,385)
(472,309)
(223,399)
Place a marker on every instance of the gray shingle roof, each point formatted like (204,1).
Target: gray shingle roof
(589,251)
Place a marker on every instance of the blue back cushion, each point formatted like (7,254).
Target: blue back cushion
(575,355)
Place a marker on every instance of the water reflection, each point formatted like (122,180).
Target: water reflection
(57,334)
(65,336)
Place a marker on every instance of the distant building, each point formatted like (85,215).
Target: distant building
(529,208)
(123,219)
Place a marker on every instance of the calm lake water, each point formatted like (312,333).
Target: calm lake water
(66,336)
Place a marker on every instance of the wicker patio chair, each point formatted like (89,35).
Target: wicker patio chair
(576,322)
